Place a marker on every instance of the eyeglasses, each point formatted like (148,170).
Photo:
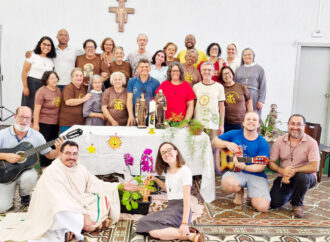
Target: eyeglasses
(90,47)
(175,70)
(297,124)
(71,154)
(47,45)
(27,118)
(166,151)
(226,73)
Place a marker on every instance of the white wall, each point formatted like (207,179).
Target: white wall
(271,27)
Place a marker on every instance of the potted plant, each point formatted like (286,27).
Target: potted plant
(195,127)
(138,202)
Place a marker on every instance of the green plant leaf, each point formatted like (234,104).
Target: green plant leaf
(128,207)
(136,195)
(124,202)
(135,205)
(152,183)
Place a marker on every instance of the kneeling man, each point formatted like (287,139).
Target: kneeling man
(251,175)
(299,161)
(67,198)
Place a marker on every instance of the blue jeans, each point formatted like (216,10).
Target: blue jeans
(294,191)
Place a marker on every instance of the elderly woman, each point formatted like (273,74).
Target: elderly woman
(191,74)
(91,63)
(114,100)
(253,77)
(92,108)
(120,65)
(170,50)
(158,66)
(179,94)
(108,55)
(34,67)
(238,100)
(73,97)
(232,60)
(214,53)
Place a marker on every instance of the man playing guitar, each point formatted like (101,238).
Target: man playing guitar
(10,137)
(250,175)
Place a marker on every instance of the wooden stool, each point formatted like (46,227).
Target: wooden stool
(325,154)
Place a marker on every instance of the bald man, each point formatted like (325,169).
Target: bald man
(190,42)
(65,58)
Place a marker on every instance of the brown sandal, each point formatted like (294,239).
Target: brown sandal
(198,237)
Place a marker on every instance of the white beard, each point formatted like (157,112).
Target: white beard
(21,128)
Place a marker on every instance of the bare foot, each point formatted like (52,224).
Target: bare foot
(238,200)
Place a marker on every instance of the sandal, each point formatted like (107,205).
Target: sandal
(198,237)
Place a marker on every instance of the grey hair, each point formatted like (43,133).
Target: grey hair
(112,77)
(254,55)
(192,50)
(207,63)
(141,35)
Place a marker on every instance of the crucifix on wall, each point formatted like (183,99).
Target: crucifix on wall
(121,14)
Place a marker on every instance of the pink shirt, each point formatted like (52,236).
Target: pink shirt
(304,152)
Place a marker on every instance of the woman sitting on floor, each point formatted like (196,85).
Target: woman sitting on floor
(171,223)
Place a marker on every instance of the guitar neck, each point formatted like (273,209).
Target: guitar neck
(245,159)
(35,150)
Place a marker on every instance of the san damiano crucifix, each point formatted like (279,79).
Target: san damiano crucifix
(121,14)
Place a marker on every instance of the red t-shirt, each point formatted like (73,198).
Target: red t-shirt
(177,97)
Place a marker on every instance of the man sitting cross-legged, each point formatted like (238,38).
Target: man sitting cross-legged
(251,175)
(299,161)
(67,198)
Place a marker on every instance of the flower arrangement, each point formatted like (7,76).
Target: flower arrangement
(130,200)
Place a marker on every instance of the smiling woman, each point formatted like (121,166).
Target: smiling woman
(34,67)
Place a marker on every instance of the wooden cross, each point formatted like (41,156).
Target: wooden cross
(121,14)
(144,190)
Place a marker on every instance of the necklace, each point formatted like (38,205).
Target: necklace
(188,75)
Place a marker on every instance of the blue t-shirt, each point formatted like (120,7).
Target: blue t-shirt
(257,147)
(136,86)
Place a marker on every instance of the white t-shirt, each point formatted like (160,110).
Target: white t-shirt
(175,182)
(207,105)
(235,64)
(39,65)
(65,62)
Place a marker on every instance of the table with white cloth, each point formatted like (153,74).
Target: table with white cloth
(102,150)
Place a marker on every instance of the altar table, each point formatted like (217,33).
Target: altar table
(102,149)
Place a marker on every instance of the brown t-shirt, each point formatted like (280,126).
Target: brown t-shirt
(50,102)
(116,105)
(235,104)
(125,68)
(91,66)
(70,115)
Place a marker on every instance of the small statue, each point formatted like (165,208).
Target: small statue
(161,106)
(273,115)
(141,112)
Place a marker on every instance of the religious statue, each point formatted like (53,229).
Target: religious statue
(121,14)
(273,115)
(161,106)
(141,111)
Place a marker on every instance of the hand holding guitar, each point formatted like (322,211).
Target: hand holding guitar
(12,158)
(234,148)
(58,143)
(239,165)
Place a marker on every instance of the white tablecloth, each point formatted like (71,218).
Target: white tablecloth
(196,151)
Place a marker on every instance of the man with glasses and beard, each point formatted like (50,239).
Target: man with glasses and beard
(299,157)
(11,137)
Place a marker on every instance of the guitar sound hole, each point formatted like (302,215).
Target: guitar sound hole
(22,157)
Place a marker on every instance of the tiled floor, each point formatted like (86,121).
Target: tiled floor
(223,221)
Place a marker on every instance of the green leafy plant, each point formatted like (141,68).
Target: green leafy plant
(195,127)
(268,130)
(130,199)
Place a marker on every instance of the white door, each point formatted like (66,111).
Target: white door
(312,86)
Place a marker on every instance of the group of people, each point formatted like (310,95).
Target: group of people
(66,86)
(225,95)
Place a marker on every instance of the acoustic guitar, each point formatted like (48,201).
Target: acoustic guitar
(9,172)
(226,161)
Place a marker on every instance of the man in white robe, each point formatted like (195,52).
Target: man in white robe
(67,198)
